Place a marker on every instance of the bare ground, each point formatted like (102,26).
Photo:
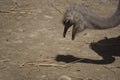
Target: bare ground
(32,46)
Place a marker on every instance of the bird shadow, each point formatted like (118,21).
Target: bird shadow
(106,48)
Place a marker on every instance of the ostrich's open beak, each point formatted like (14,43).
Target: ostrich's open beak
(73,32)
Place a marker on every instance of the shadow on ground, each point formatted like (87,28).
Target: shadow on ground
(106,48)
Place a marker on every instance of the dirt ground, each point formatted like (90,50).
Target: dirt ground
(32,46)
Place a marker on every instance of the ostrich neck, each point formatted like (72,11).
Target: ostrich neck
(101,22)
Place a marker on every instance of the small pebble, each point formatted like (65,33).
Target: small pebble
(64,77)
(48,17)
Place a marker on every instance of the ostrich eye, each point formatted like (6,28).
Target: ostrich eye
(67,22)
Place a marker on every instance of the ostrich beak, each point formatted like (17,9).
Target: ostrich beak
(74,31)
(65,31)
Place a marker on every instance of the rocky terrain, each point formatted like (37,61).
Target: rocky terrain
(32,46)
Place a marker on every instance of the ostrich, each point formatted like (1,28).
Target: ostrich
(81,19)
